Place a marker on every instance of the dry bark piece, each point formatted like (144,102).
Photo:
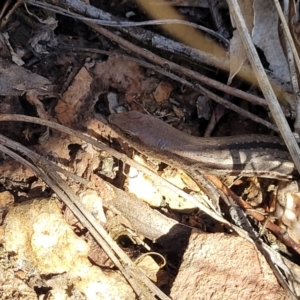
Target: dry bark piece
(238,55)
(70,106)
(15,80)
(121,74)
(163,91)
(141,218)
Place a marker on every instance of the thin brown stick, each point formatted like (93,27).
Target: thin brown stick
(177,68)
(196,87)
(194,53)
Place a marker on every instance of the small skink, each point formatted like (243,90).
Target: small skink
(249,155)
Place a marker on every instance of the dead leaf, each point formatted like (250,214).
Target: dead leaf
(266,38)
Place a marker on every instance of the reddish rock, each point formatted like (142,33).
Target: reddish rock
(221,266)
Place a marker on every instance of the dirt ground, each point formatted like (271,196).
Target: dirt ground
(88,214)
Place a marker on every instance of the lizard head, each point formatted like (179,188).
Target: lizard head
(147,129)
